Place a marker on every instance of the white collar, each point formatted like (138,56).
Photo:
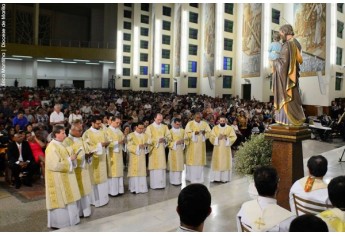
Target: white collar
(175,130)
(94,130)
(56,141)
(156,125)
(137,134)
(114,129)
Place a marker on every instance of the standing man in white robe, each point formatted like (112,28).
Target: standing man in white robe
(115,157)
(196,131)
(137,148)
(82,172)
(62,192)
(97,142)
(222,137)
(176,153)
(159,138)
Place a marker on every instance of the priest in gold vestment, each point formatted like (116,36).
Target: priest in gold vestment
(115,157)
(196,132)
(75,141)
(176,153)
(222,137)
(62,192)
(137,148)
(159,138)
(97,142)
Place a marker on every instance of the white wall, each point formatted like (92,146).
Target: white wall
(62,73)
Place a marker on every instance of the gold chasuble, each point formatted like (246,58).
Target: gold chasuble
(196,150)
(93,139)
(137,159)
(157,160)
(115,157)
(60,180)
(221,155)
(82,171)
(176,152)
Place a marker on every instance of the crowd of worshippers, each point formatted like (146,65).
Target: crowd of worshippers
(30,110)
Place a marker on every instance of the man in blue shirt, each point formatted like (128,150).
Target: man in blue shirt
(20,120)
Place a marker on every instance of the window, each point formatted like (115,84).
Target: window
(143,70)
(228,44)
(193,17)
(229,8)
(340,28)
(192,82)
(126,37)
(145,7)
(340,7)
(227,63)
(166,39)
(193,49)
(143,83)
(126,60)
(165,69)
(144,44)
(143,57)
(127,14)
(165,53)
(196,5)
(126,83)
(339,56)
(193,33)
(227,81)
(144,19)
(338,80)
(228,26)
(192,66)
(166,11)
(275,16)
(127,4)
(166,25)
(127,25)
(126,71)
(165,82)
(126,48)
(144,31)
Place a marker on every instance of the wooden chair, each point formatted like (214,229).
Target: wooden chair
(244,227)
(308,207)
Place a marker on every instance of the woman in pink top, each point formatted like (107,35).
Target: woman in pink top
(36,146)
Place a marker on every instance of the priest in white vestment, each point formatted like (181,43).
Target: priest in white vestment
(222,137)
(197,132)
(137,148)
(62,192)
(263,214)
(176,153)
(115,157)
(159,138)
(97,143)
(311,187)
(82,172)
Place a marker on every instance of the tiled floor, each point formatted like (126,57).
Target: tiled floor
(155,211)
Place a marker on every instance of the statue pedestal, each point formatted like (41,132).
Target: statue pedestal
(287,157)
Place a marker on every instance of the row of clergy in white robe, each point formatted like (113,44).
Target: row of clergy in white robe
(72,186)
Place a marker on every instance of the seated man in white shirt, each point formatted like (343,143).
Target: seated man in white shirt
(263,214)
(311,187)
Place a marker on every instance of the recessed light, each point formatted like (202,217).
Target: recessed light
(106,62)
(13,59)
(81,60)
(40,60)
(54,58)
(92,63)
(69,62)
(20,56)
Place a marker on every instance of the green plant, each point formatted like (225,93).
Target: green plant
(253,153)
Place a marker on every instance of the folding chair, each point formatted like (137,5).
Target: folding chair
(308,207)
